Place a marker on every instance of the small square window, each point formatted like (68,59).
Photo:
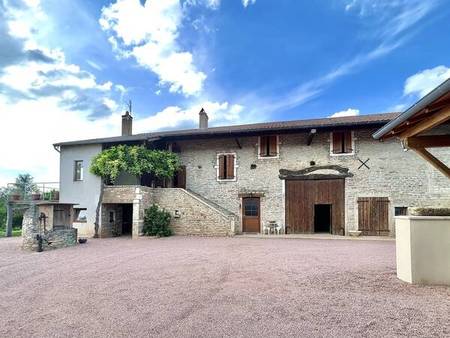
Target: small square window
(401,211)
(78,171)
(342,142)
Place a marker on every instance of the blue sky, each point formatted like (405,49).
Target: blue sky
(68,67)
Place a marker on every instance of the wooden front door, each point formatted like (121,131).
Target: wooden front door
(373,216)
(251,214)
(302,199)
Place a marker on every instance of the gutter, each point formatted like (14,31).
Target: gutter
(57,148)
(435,94)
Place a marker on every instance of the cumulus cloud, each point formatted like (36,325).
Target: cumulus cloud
(149,32)
(348,112)
(174,117)
(421,83)
(245,3)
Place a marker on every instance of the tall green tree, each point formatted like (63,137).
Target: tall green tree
(134,160)
(25,185)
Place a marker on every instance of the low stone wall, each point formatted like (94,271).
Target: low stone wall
(191,214)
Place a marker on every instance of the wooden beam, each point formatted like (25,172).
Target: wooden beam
(311,136)
(433,161)
(427,123)
(435,141)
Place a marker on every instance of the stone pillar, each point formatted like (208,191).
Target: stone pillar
(9,219)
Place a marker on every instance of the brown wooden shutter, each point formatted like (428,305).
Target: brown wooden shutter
(273,145)
(230,166)
(348,142)
(263,146)
(221,167)
(337,142)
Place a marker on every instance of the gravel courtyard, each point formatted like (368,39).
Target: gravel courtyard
(214,287)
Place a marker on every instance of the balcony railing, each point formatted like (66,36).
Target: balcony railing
(39,191)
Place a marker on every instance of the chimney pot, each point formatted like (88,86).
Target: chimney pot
(203,119)
(127,124)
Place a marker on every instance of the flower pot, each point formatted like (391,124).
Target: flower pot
(55,195)
(14,197)
(35,197)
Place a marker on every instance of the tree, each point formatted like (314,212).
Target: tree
(25,185)
(134,160)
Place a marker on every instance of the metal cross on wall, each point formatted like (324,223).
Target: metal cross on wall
(363,163)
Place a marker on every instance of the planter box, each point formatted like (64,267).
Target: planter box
(423,249)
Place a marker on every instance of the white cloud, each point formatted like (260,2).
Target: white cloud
(175,117)
(246,3)
(149,33)
(426,80)
(348,112)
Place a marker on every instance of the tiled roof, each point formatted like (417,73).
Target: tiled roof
(280,126)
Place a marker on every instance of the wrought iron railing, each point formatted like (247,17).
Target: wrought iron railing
(39,191)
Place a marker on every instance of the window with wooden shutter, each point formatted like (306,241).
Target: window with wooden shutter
(268,146)
(342,142)
(226,166)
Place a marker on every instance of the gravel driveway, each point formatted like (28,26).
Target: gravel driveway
(214,287)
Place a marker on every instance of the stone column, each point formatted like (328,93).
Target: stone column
(9,219)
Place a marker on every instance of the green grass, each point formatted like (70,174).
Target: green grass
(17,232)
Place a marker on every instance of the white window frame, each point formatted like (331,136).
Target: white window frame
(75,171)
(268,157)
(342,154)
(235,167)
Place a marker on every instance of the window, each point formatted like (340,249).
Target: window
(226,166)
(78,171)
(342,142)
(401,211)
(80,215)
(268,146)
(251,207)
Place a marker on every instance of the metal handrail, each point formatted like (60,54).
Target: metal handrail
(46,191)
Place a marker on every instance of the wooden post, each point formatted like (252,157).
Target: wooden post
(9,219)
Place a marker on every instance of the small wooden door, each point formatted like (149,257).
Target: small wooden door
(251,214)
(373,216)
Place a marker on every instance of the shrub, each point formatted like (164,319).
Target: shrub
(156,222)
(430,211)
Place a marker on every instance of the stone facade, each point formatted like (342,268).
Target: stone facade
(401,176)
(191,214)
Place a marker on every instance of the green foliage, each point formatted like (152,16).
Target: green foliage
(156,222)
(135,160)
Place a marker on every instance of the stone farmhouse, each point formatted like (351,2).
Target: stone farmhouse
(307,176)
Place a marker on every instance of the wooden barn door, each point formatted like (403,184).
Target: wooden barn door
(373,216)
(302,197)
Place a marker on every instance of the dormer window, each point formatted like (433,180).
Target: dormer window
(342,142)
(268,146)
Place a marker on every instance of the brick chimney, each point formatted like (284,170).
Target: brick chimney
(127,124)
(203,119)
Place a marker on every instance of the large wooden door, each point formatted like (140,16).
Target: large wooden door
(373,216)
(251,214)
(303,195)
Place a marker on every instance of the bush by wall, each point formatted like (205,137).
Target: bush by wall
(156,222)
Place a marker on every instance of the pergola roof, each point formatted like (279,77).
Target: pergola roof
(429,106)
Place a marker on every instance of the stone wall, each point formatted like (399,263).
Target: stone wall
(401,176)
(191,214)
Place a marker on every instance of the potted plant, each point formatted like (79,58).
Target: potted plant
(35,194)
(15,195)
(55,195)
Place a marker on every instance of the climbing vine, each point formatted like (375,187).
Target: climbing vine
(135,160)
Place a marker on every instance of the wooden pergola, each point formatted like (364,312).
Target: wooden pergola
(423,126)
